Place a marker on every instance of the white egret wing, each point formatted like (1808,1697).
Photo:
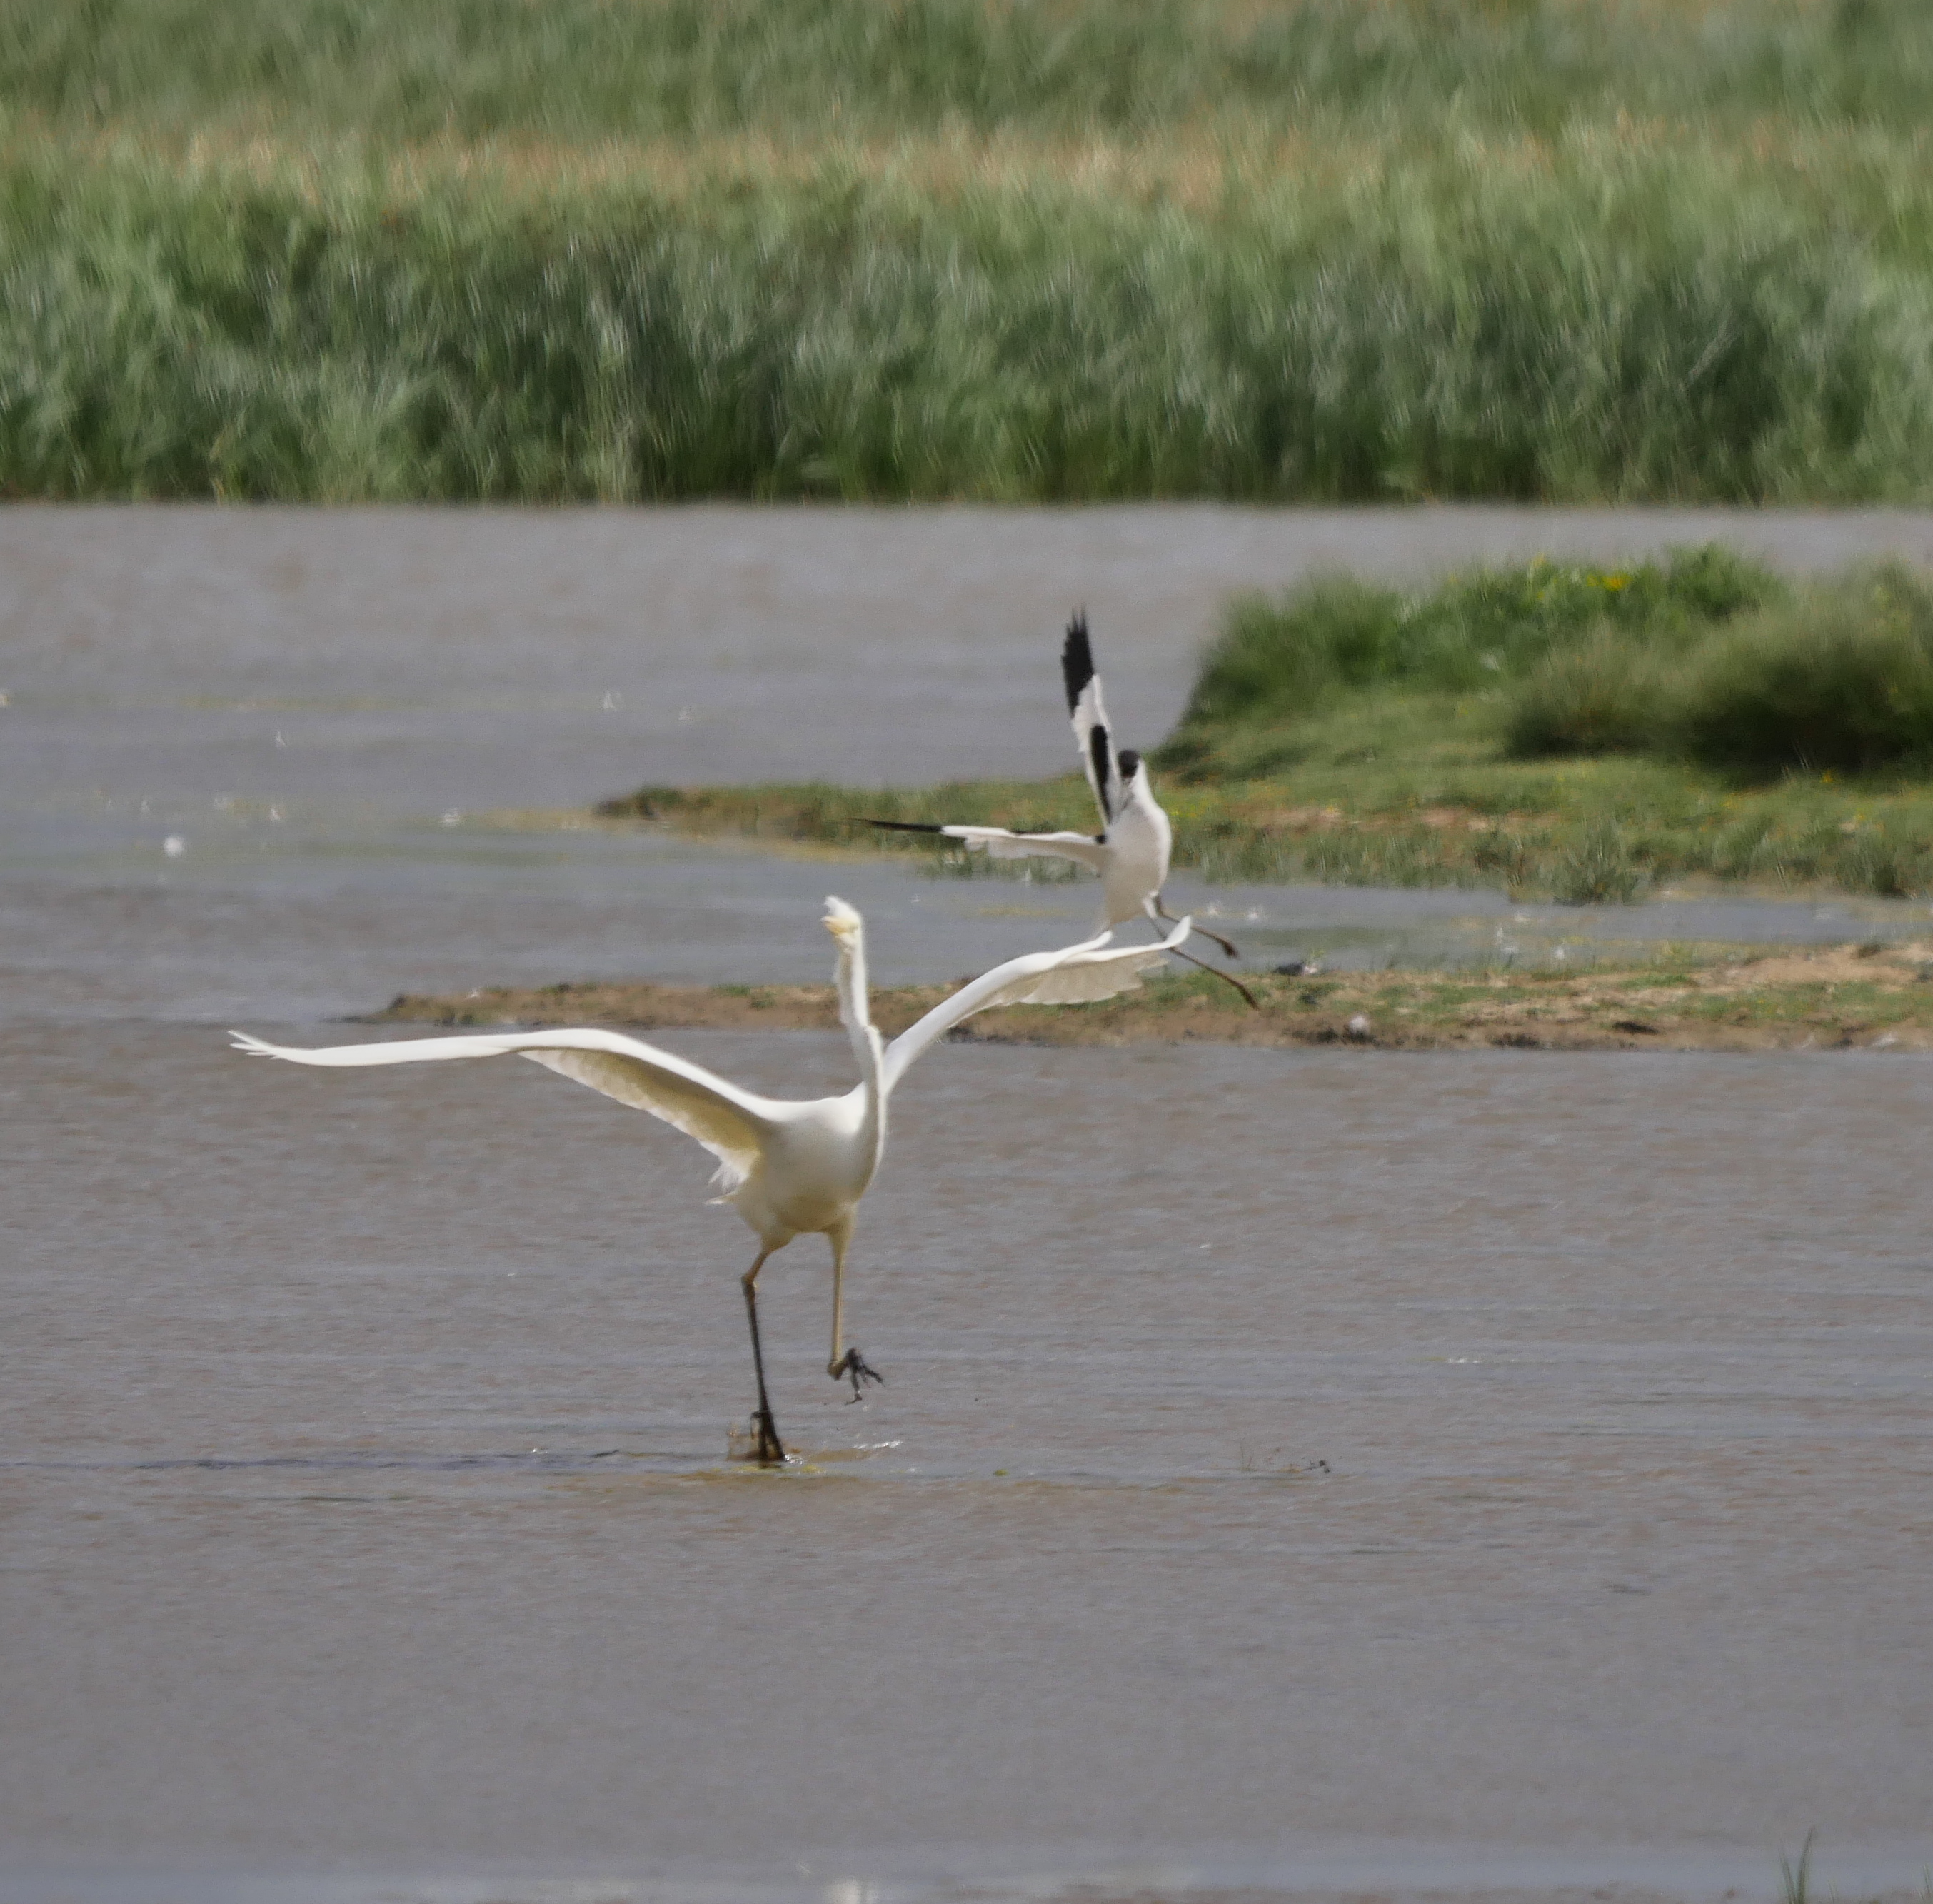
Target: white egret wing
(1076,975)
(732,1124)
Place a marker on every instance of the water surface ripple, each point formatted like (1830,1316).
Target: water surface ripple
(1298,1474)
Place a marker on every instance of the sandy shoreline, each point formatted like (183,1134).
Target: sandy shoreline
(1844,997)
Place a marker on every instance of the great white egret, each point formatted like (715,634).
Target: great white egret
(1131,852)
(790,1169)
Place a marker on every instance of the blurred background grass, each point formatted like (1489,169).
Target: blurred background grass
(637,249)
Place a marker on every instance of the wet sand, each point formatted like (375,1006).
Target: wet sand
(1300,1472)
(1869,996)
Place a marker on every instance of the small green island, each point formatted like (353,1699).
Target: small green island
(1555,729)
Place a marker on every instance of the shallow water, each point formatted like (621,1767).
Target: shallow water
(373,735)
(1297,1474)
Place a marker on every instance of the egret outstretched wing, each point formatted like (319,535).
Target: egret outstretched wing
(1076,975)
(732,1124)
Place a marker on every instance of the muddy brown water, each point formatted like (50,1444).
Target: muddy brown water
(1298,1474)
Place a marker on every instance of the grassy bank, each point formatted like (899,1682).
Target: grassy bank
(1852,997)
(1317,250)
(1392,795)
(1556,729)
(1704,659)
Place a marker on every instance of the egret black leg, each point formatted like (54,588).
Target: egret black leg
(771,1450)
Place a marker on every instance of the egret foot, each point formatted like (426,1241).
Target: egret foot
(856,1369)
(771,1450)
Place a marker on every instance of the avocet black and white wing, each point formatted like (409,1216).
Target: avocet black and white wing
(1003,842)
(1103,765)
(1091,734)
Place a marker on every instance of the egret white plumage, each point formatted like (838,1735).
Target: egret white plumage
(1131,852)
(789,1168)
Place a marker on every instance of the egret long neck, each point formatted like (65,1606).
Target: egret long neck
(855,1015)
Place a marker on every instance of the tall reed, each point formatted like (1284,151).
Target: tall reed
(585,69)
(1613,330)
(1312,249)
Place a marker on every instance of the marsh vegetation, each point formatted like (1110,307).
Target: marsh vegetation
(1310,250)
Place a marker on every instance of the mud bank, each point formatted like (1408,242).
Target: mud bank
(1845,997)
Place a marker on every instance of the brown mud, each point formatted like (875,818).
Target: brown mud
(1845,997)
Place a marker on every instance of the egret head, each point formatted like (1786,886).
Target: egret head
(843,923)
(846,926)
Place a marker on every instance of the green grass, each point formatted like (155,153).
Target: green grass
(1575,730)
(1361,735)
(584,70)
(1279,660)
(1334,250)
(1841,678)
(1704,658)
